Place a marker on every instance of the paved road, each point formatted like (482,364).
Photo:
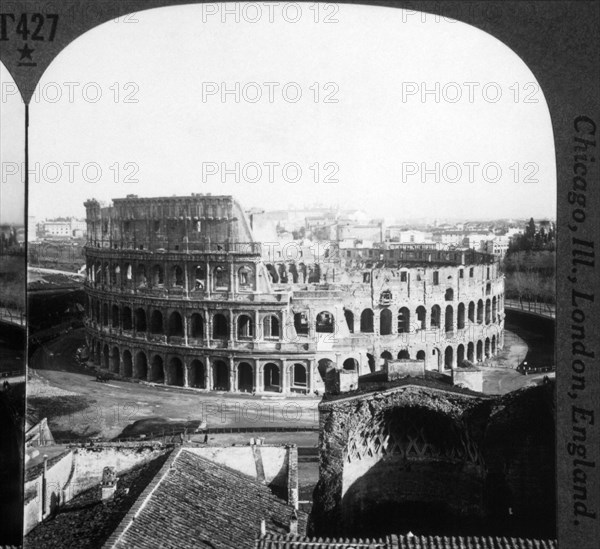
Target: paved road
(114,405)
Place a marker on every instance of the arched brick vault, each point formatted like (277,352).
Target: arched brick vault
(467,456)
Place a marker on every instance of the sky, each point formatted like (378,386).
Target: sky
(12,150)
(379,109)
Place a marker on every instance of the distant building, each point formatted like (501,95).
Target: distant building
(62,228)
(497,246)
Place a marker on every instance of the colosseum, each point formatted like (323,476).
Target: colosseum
(179,293)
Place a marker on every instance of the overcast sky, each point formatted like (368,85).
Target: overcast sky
(12,150)
(147,107)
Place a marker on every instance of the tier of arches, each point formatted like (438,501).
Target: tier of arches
(195,325)
(190,276)
(209,373)
(448,357)
(448,318)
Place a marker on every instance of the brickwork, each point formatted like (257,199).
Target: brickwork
(438,461)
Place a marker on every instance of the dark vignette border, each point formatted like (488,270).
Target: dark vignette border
(560,43)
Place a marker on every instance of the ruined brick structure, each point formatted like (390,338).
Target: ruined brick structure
(178,293)
(426,459)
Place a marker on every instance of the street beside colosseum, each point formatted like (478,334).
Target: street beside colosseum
(79,407)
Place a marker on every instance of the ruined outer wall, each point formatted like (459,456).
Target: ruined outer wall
(505,474)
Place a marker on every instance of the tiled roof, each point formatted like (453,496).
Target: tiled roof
(271,541)
(194,502)
(87,522)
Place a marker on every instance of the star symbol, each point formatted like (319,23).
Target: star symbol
(26,52)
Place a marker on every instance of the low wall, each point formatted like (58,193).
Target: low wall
(78,470)
(57,476)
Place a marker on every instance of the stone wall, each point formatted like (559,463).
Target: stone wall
(76,471)
(438,460)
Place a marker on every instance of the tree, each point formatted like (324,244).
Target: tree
(530,230)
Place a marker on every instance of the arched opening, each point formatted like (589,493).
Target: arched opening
(301,323)
(448,356)
(449,295)
(126,319)
(300,378)
(487,347)
(196,374)
(460,354)
(158,276)
(115,360)
(271,327)
(140,276)
(325,322)
(157,374)
(127,364)
(283,277)
(493,345)
(350,364)
(386,355)
(422,317)
(471,314)
(140,320)
(220,327)
(156,322)
(114,275)
(177,276)
(220,376)
(404,355)
(420,355)
(323,366)
(105,314)
(480,312)
(449,319)
(115,316)
(314,276)
(366,321)
(106,358)
(245,377)
(220,278)
(272,273)
(435,316)
(460,317)
(404,320)
(349,316)
(488,311)
(196,326)
(470,352)
(245,327)
(494,309)
(175,325)
(141,366)
(302,273)
(128,272)
(371,362)
(479,351)
(199,278)
(385,322)
(293,272)
(245,278)
(175,372)
(271,378)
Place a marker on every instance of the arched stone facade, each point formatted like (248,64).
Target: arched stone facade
(170,303)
